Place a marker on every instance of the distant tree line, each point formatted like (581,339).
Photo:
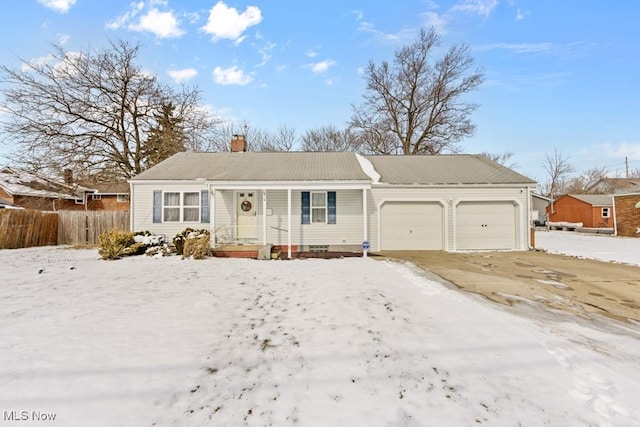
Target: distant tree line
(98,113)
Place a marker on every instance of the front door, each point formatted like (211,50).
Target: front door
(246,220)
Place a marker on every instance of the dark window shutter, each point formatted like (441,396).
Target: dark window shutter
(306,207)
(157,206)
(204,206)
(331,204)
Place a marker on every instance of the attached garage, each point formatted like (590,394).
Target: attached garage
(486,225)
(411,226)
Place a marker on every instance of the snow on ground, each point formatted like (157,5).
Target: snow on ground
(593,246)
(358,342)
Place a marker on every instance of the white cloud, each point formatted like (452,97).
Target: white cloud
(625,149)
(311,53)
(231,76)
(180,76)
(162,24)
(437,21)
(519,47)
(61,6)
(521,14)
(37,62)
(265,52)
(123,19)
(480,7)
(63,39)
(322,66)
(358,13)
(226,23)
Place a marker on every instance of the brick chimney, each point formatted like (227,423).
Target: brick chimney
(238,144)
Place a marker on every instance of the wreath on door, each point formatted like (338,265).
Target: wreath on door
(245,206)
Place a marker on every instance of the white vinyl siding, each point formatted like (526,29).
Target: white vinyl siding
(142,207)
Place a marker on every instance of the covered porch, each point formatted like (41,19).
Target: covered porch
(292,217)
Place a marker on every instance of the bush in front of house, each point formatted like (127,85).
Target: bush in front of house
(191,243)
(115,244)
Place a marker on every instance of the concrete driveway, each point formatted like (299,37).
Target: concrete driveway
(583,287)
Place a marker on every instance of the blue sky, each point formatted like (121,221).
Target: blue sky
(559,74)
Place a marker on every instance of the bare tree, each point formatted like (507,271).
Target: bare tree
(283,139)
(415,106)
(96,111)
(558,168)
(330,138)
(586,181)
(501,158)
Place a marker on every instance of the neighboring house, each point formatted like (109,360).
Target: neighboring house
(616,186)
(113,196)
(539,205)
(337,200)
(5,204)
(627,214)
(592,210)
(33,191)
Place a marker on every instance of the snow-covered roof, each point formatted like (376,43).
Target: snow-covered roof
(18,182)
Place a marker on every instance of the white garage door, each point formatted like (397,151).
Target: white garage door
(411,226)
(485,225)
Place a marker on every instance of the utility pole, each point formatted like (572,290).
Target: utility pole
(626,166)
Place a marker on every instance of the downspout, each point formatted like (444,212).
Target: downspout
(264,216)
(289,231)
(131,206)
(615,219)
(364,222)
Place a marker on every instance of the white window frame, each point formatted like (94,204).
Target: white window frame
(325,207)
(122,198)
(606,212)
(165,206)
(181,206)
(195,207)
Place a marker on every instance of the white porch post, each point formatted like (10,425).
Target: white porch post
(212,214)
(264,217)
(289,223)
(365,218)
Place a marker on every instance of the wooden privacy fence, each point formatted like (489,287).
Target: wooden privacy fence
(84,227)
(23,228)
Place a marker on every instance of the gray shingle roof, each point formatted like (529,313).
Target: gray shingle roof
(594,199)
(444,169)
(332,166)
(279,166)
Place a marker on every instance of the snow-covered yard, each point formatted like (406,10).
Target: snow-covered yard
(164,341)
(593,246)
